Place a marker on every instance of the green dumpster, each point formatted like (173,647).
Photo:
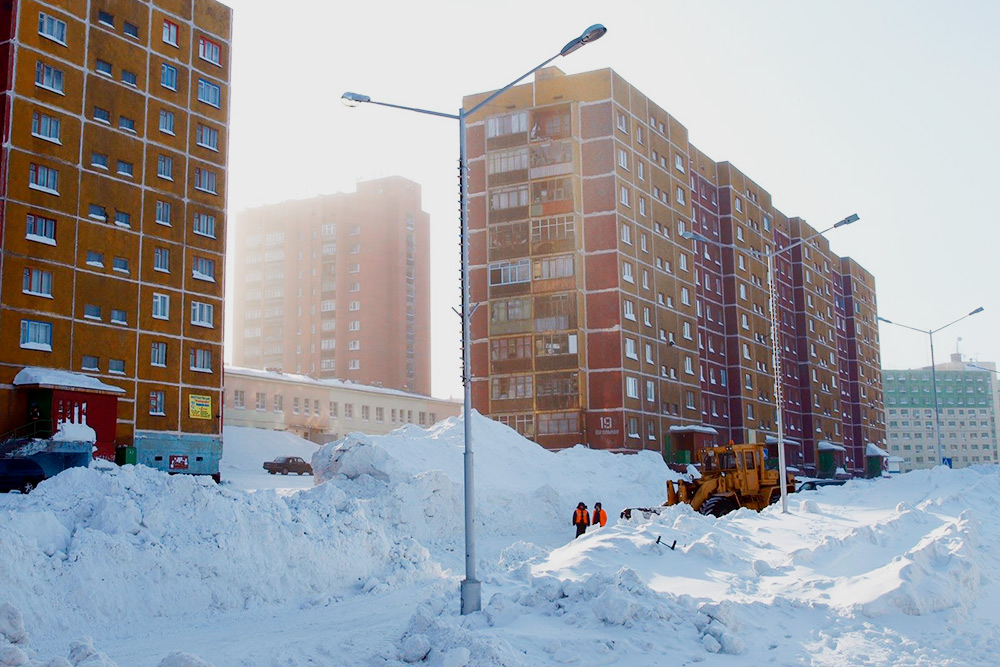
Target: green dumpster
(125,456)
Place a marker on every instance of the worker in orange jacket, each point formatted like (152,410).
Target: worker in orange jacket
(581,519)
(600,516)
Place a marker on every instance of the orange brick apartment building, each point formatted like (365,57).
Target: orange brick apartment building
(600,324)
(113,188)
(337,286)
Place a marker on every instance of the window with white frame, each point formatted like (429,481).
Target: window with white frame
(161,259)
(167,121)
(158,355)
(210,51)
(46,127)
(120,264)
(41,229)
(95,258)
(679,163)
(119,316)
(631,387)
(201,360)
(354,345)
(36,335)
(164,213)
(168,76)
(125,168)
(205,180)
(354,365)
(43,178)
(685,296)
(650,391)
(624,196)
(48,77)
(165,167)
(630,349)
(688,366)
(202,314)
(116,366)
(130,79)
(209,93)
(52,28)
(207,137)
(623,159)
(629,310)
(161,306)
(37,282)
(170,33)
(91,312)
(204,225)
(626,233)
(203,269)
(738,203)
(627,275)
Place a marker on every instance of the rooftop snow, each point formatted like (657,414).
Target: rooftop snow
(51,377)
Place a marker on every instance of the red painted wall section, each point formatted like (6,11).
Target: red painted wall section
(605,389)
(602,311)
(600,232)
(598,157)
(599,195)
(480,354)
(602,271)
(604,349)
(595,120)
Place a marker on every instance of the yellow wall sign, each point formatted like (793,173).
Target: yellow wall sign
(199,406)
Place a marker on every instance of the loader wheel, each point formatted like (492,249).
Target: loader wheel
(718,506)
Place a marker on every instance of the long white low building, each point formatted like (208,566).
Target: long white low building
(323,410)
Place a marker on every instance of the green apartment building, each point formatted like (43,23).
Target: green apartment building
(967,405)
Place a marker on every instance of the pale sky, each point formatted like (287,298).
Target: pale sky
(890,109)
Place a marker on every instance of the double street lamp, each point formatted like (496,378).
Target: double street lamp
(772,290)
(930,335)
(471,587)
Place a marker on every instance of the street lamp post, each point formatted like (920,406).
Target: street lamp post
(930,335)
(772,297)
(472,587)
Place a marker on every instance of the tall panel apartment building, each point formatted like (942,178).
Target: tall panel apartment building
(967,433)
(337,286)
(600,324)
(115,123)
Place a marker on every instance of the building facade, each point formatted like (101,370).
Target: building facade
(599,323)
(337,286)
(967,400)
(324,410)
(113,187)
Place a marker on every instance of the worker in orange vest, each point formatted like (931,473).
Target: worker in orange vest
(600,516)
(581,519)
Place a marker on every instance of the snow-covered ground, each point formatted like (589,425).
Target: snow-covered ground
(128,566)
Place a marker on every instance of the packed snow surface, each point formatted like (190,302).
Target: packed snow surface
(129,566)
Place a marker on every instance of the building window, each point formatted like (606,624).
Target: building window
(365,413)
(125,168)
(95,258)
(36,335)
(210,51)
(158,355)
(37,282)
(348,411)
(170,33)
(164,212)
(123,219)
(631,387)
(52,28)
(161,306)
(161,260)
(120,264)
(130,79)
(204,180)
(201,360)
(103,67)
(119,316)
(43,178)
(166,121)
(40,229)
(204,225)
(261,401)
(106,18)
(46,127)
(131,29)
(202,314)
(116,366)
(91,312)
(629,310)
(99,160)
(207,137)
(156,403)
(209,93)
(168,76)
(165,167)
(48,77)
(204,269)
(102,115)
(353,365)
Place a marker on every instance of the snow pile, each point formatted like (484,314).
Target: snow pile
(364,567)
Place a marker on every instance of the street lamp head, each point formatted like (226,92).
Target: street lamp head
(354,99)
(695,236)
(591,34)
(977,310)
(882,319)
(848,220)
